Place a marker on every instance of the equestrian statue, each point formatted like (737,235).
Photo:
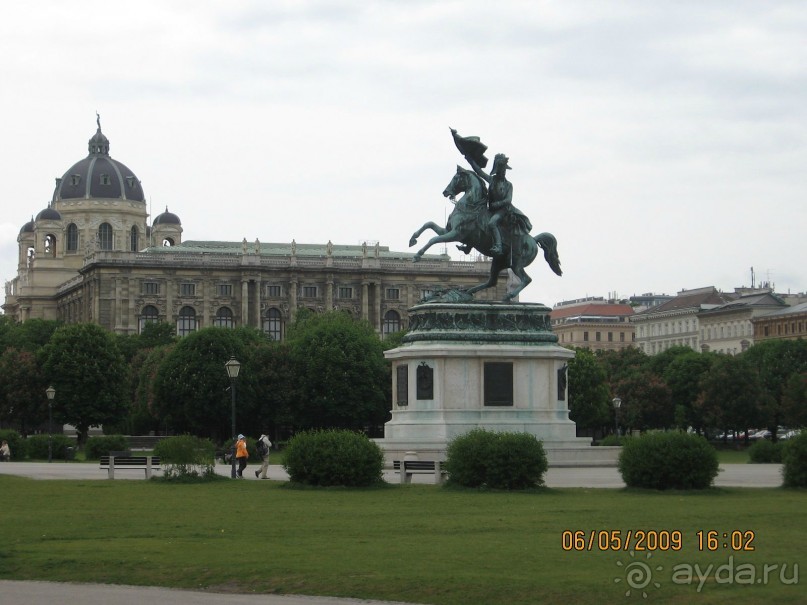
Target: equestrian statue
(484,218)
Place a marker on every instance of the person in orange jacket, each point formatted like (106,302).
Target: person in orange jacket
(242,455)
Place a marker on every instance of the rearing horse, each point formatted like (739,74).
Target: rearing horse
(467,224)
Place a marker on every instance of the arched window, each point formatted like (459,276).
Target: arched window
(392,322)
(273,324)
(167,242)
(149,315)
(134,239)
(186,323)
(224,318)
(105,236)
(72,237)
(50,245)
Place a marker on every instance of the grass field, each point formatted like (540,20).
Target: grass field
(415,543)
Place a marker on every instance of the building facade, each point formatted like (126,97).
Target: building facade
(675,322)
(593,323)
(92,256)
(784,324)
(728,328)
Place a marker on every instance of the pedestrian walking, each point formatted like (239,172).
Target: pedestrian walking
(263,446)
(241,454)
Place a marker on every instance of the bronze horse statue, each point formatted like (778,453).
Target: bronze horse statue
(468,224)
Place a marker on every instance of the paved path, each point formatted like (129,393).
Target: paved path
(51,593)
(47,593)
(731,475)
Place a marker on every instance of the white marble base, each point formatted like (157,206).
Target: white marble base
(457,403)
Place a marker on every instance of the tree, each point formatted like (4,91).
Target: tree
(794,401)
(22,390)
(589,397)
(33,334)
(776,361)
(342,378)
(83,364)
(192,389)
(272,367)
(620,364)
(730,393)
(659,363)
(646,401)
(683,375)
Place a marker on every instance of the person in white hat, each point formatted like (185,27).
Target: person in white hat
(263,446)
(241,454)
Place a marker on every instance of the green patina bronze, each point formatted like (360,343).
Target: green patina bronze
(484,322)
(486,220)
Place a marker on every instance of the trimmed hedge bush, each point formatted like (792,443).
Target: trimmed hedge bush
(668,461)
(186,458)
(482,458)
(794,458)
(101,446)
(764,451)
(333,457)
(37,447)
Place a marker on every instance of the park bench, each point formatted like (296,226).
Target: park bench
(418,467)
(125,461)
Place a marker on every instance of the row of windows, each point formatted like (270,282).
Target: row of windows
(104,236)
(783,329)
(663,329)
(272,324)
(731,331)
(103,179)
(272,291)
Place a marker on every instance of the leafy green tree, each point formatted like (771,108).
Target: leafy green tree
(22,390)
(589,397)
(157,334)
(83,364)
(621,364)
(794,401)
(272,368)
(145,412)
(342,378)
(646,401)
(33,334)
(776,361)
(683,375)
(659,363)
(730,393)
(192,387)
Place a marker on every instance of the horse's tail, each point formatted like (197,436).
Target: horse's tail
(548,243)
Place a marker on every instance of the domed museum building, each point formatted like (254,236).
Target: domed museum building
(93,256)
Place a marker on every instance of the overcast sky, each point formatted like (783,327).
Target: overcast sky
(663,143)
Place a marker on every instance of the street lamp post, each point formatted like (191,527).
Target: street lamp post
(617,404)
(51,393)
(233,367)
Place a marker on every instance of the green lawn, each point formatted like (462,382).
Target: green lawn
(413,543)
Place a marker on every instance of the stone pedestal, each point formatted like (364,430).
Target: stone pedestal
(495,366)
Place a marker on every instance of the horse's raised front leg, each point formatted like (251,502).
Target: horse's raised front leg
(433,226)
(446,236)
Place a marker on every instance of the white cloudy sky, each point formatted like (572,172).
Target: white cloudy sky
(663,143)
